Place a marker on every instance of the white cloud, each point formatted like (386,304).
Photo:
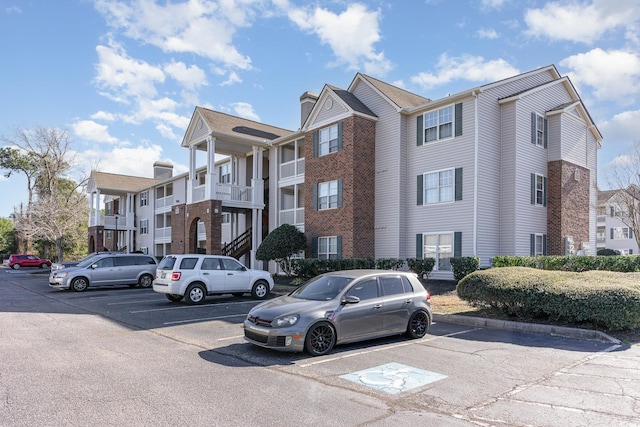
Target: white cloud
(466,67)
(92,131)
(612,74)
(492,4)
(204,28)
(124,77)
(245,110)
(351,35)
(12,9)
(189,77)
(622,128)
(104,116)
(487,33)
(137,161)
(583,22)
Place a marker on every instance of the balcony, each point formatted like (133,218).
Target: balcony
(162,235)
(109,222)
(292,216)
(292,169)
(601,219)
(232,195)
(164,203)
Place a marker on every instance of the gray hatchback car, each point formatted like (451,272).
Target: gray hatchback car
(108,269)
(340,307)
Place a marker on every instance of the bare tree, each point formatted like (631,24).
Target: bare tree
(43,155)
(625,178)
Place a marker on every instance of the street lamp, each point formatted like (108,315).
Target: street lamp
(115,240)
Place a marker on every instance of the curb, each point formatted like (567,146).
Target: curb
(534,328)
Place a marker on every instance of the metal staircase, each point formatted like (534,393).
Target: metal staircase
(238,246)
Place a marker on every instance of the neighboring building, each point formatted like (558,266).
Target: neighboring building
(613,233)
(376,171)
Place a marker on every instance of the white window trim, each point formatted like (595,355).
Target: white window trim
(437,257)
(328,197)
(538,250)
(328,253)
(539,130)
(327,143)
(144,198)
(543,191)
(144,229)
(438,124)
(453,187)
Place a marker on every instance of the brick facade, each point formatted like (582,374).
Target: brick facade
(355,164)
(184,226)
(567,205)
(96,240)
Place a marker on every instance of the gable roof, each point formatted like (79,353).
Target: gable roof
(229,126)
(401,98)
(352,101)
(105,182)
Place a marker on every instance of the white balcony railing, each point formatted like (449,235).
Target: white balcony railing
(164,202)
(601,219)
(234,193)
(292,168)
(292,216)
(163,233)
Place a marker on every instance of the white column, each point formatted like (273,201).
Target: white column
(192,174)
(97,213)
(211,179)
(91,201)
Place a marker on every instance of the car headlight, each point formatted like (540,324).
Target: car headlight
(284,321)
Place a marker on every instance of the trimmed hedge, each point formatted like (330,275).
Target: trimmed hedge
(311,267)
(625,263)
(603,298)
(462,266)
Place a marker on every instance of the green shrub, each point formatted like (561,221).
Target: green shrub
(464,265)
(602,298)
(421,266)
(607,252)
(627,263)
(389,263)
(280,245)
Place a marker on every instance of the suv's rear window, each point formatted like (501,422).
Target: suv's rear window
(167,263)
(188,263)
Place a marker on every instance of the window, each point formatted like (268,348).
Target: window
(328,247)
(538,190)
(392,285)
(328,195)
(328,140)
(438,124)
(210,264)
(538,244)
(619,233)
(225,174)
(367,289)
(538,130)
(226,217)
(439,247)
(144,198)
(144,226)
(438,187)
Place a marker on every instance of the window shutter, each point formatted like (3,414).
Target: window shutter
(339,246)
(340,192)
(420,129)
(544,244)
(533,128)
(314,195)
(315,143)
(420,190)
(418,245)
(532,245)
(630,233)
(457,244)
(314,247)
(533,188)
(544,191)
(544,138)
(458,182)
(458,119)
(611,233)
(339,136)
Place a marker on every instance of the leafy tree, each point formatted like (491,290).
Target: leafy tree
(280,245)
(625,177)
(7,236)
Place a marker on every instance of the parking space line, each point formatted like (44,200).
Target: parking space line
(185,307)
(133,302)
(204,318)
(387,347)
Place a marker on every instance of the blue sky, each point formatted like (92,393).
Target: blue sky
(123,77)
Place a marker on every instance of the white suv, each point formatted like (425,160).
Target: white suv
(194,276)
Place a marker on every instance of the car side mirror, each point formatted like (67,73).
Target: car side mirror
(94,266)
(350,299)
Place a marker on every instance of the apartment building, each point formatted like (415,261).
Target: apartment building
(374,170)
(614,231)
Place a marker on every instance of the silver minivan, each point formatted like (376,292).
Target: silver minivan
(107,269)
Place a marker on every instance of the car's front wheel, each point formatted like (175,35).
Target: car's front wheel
(79,284)
(195,294)
(145,281)
(418,324)
(320,339)
(260,290)
(43,265)
(174,297)
(16,266)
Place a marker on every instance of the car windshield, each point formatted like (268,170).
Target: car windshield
(86,261)
(322,288)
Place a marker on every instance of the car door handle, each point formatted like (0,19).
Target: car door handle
(205,274)
(377,306)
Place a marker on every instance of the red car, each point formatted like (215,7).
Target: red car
(22,260)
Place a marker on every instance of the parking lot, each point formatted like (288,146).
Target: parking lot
(128,356)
